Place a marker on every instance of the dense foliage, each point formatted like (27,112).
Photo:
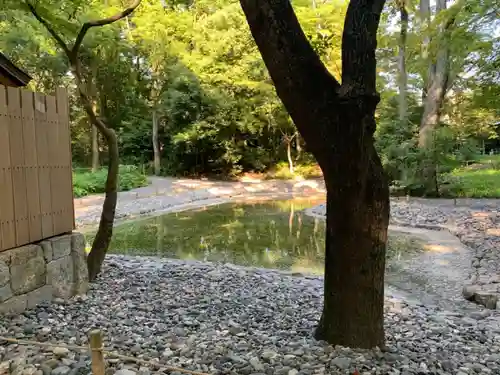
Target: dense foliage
(86,182)
(195,68)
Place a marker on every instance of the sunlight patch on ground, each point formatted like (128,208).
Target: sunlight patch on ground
(481,214)
(438,248)
(493,232)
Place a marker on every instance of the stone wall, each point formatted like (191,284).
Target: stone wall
(31,274)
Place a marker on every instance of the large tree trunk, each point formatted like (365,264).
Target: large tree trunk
(156,146)
(402,73)
(356,238)
(337,123)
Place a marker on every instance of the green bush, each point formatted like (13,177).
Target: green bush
(306,171)
(473,183)
(86,182)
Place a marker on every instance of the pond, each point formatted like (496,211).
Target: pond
(270,234)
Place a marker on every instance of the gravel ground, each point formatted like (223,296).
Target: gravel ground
(229,320)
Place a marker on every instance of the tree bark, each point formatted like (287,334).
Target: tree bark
(289,141)
(95,149)
(402,73)
(437,81)
(433,95)
(104,234)
(298,147)
(337,123)
(289,156)
(156,146)
(425,25)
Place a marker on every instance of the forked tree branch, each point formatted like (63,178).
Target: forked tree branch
(299,76)
(102,22)
(359,42)
(51,31)
(284,47)
(72,55)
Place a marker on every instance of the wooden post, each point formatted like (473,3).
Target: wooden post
(97,357)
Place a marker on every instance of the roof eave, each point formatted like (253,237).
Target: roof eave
(16,74)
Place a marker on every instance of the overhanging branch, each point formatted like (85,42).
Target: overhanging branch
(51,31)
(102,22)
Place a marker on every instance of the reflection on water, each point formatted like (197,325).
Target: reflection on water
(273,234)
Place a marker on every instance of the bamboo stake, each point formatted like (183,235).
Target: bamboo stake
(95,340)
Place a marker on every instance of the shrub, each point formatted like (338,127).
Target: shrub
(86,182)
(306,171)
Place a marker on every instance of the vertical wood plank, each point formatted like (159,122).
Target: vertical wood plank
(7,220)
(18,166)
(53,144)
(44,182)
(31,163)
(65,152)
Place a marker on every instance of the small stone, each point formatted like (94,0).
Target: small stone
(487,299)
(256,364)
(469,291)
(125,372)
(61,370)
(235,330)
(293,372)
(341,362)
(60,352)
(448,365)
(51,363)
(178,331)
(167,353)
(269,354)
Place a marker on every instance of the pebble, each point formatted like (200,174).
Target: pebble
(60,352)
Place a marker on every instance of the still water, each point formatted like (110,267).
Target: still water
(271,234)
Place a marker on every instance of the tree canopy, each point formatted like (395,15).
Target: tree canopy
(196,66)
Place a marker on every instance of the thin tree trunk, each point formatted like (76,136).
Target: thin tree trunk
(105,231)
(337,123)
(156,146)
(433,97)
(402,73)
(298,147)
(289,155)
(425,21)
(95,149)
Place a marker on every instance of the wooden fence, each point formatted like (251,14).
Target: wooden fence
(36,192)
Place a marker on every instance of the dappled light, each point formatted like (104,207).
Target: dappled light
(438,248)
